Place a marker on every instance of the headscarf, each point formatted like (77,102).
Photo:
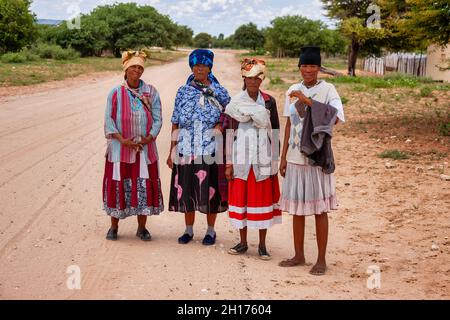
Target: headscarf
(310,55)
(253,68)
(133,58)
(205,57)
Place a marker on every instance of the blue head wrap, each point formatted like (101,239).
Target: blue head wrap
(205,57)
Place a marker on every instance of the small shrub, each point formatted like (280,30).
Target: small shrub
(444,129)
(13,57)
(425,91)
(394,154)
(52,51)
(276,80)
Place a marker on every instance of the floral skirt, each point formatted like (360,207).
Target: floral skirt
(254,204)
(132,195)
(307,190)
(197,186)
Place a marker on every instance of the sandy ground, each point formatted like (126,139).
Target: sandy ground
(51,165)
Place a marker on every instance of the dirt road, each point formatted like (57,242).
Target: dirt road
(51,165)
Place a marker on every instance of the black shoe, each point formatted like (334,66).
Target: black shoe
(112,234)
(185,238)
(238,249)
(263,254)
(144,235)
(208,240)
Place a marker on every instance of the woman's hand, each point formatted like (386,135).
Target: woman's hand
(131,144)
(217,131)
(229,172)
(301,97)
(170,160)
(146,140)
(283,165)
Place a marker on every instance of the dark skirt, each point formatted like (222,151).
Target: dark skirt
(198,186)
(132,195)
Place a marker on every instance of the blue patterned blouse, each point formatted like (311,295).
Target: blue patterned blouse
(195,121)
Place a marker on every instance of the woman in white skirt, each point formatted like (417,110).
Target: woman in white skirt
(307,190)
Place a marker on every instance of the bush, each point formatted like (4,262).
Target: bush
(13,57)
(53,51)
(394,154)
(426,91)
(444,129)
(276,80)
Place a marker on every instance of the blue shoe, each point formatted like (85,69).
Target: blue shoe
(208,240)
(185,238)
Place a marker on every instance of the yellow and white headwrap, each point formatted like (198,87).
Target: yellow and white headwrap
(133,58)
(251,67)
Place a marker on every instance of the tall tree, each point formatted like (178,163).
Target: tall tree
(203,40)
(430,19)
(353,17)
(17,25)
(248,36)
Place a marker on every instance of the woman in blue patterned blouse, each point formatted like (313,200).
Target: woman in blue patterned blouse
(196,125)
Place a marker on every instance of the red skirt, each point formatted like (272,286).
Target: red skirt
(132,195)
(254,204)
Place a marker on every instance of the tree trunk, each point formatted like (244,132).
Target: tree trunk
(353,50)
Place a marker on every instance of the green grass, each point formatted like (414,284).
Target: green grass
(394,154)
(44,70)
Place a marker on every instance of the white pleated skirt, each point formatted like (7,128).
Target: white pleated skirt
(307,191)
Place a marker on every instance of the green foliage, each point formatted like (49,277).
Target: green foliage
(394,154)
(203,40)
(276,80)
(426,91)
(288,34)
(13,57)
(17,27)
(389,81)
(430,20)
(444,129)
(119,27)
(248,36)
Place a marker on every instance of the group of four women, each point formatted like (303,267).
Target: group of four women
(223,155)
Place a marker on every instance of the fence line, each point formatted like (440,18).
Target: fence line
(408,63)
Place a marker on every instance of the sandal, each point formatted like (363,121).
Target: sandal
(263,254)
(238,249)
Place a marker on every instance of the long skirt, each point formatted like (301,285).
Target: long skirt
(196,186)
(254,204)
(307,191)
(132,195)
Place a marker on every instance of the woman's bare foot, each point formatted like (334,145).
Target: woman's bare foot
(292,262)
(318,269)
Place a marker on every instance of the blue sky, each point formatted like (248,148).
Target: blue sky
(212,16)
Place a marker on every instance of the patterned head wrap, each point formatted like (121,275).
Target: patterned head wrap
(253,68)
(205,57)
(133,58)
(201,56)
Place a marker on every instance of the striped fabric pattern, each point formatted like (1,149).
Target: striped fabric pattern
(126,114)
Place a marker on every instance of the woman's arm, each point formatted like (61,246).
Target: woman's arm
(287,133)
(173,143)
(156,115)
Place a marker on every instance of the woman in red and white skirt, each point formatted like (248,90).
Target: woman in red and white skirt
(131,184)
(252,151)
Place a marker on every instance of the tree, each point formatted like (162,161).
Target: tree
(119,27)
(17,25)
(248,36)
(430,19)
(353,17)
(288,34)
(203,40)
(183,36)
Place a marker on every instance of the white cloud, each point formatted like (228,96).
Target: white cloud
(212,16)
